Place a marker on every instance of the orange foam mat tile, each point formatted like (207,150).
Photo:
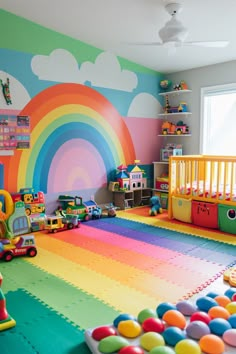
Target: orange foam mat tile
(93,253)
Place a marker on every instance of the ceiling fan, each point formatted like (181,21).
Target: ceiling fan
(174,34)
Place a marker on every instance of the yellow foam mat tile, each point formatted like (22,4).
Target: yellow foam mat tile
(87,280)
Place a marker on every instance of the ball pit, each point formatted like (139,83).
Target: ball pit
(180,328)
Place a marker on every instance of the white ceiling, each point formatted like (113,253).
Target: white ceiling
(112,24)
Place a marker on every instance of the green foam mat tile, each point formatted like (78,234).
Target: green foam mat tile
(57,336)
(13,342)
(81,308)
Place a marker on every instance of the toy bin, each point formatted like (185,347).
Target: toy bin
(227,218)
(164,200)
(205,214)
(162,184)
(182,209)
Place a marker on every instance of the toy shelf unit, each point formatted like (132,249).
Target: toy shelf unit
(161,182)
(129,199)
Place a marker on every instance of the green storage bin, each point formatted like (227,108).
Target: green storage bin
(227,218)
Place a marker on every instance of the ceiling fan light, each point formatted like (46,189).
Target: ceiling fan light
(173,31)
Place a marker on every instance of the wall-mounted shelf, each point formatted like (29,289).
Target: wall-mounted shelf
(175,114)
(175,135)
(175,92)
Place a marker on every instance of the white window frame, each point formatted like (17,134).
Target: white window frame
(210,91)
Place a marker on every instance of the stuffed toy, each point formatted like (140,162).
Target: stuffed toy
(155,206)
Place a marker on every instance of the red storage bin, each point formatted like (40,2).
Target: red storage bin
(162,184)
(205,214)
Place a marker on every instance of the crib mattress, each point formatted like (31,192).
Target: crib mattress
(205,190)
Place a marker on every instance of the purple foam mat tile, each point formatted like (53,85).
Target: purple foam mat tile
(192,262)
(206,254)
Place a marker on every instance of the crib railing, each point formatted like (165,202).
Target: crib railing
(202,177)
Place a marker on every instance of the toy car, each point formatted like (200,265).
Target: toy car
(56,223)
(17,246)
(96,213)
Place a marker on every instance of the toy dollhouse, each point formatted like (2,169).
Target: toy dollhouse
(131,177)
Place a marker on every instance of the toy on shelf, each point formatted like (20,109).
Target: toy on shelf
(6,321)
(169,128)
(155,206)
(167,107)
(181,86)
(170,150)
(165,84)
(17,246)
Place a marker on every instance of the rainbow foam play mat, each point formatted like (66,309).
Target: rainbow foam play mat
(131,284)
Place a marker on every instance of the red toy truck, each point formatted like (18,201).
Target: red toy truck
(17,246)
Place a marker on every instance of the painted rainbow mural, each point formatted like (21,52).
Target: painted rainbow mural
(69,121)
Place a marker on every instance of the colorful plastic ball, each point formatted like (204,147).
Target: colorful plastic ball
(212,344)
(200,316)
(234,297)
(218,326)
(197,329)
(222,300)
(231,307)
(212,294)
(163,307)
(162,350)
(229,337)
(151,340)
(146,313)
(131,349)
(122,317)
(173,335)
(186,307)
(187,346)
(205,303)
(112,344)
(174,318)
(153,325)
(129,328)
(232,320)
(218,312)
(103,332)
(230,292)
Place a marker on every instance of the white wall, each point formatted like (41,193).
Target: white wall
(212,75)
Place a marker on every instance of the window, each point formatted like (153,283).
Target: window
(218,120)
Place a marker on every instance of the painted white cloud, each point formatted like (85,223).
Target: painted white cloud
(106,72)
(59,66)
(19,95)
(62,66)
(144,105)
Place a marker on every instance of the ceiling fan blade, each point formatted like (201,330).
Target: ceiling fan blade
(209,44)
(146,43)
